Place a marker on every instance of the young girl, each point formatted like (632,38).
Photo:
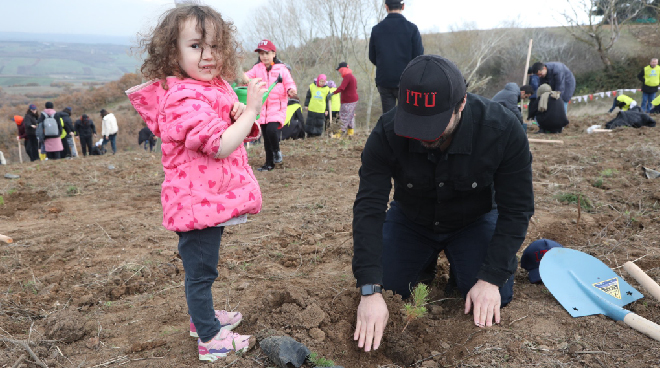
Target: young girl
(208,182)
(273,112)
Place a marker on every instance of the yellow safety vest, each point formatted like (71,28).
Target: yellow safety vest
(336,100)
(656,101)
(319,94)
(627,100)
(63,131)
(290,110)
(652,76)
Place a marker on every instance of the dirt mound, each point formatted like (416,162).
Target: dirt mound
(94,279)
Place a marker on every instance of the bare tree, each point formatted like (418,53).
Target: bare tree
(470,49)
(604,21)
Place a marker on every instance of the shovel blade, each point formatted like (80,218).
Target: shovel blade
(584,285)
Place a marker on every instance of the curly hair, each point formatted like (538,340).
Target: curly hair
(160,44)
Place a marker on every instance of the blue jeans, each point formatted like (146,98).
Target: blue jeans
(410,249)
(113,142)
(646,101)
(199,251)
(566,107)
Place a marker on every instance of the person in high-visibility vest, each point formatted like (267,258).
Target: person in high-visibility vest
(623,102)
(650,77)
(317,104)
(655,106)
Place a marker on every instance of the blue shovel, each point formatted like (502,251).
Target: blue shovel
(584,285)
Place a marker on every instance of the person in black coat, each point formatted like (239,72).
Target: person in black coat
(85,130)
(549,111)
(394,42)
(30,122)
(147,136)
(559,77)
(67,125)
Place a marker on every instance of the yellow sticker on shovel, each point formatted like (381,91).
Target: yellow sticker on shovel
(610,287)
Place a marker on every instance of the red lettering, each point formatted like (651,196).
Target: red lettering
(542,253)
(407,96)
(426,96)
(416,94)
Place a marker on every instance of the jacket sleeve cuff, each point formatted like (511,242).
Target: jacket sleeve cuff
(493,276)
(372,277)
(255,133)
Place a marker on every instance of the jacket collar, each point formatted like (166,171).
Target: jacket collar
(394,15)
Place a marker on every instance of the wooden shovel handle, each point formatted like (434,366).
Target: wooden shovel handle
(6,239)
(647,282)
(642,325)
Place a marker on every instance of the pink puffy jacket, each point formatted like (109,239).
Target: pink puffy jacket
(199,190)
(275,107)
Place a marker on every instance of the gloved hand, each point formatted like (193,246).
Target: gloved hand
(610,111)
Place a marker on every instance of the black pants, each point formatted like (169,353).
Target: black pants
(388,97)
(66,151)
(86,144)
(32,147)
(53,155)
(271,140)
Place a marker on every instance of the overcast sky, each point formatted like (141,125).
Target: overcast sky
(127,17)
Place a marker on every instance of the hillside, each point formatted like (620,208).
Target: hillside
(93,279)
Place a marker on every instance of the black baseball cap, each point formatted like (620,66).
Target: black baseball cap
(103,111)
(388,2)
(343,64)
(429,90)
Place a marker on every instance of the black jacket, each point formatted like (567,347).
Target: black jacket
(646,89)
(633,118)
(28,121)
(488,160)
(394,43)
(553,119)
(145,134)
(85,128)
(561,79)
(509,98)
(68,124)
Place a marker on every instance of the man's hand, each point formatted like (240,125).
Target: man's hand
(372,315)
(486,299)
(305,108)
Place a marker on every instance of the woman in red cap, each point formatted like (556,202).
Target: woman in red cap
(273,112)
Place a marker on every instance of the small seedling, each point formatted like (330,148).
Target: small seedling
(72,190)
(319,361)
(416,309)
(2,201)
(598,183)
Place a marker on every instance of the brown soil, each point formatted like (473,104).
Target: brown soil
(93,278)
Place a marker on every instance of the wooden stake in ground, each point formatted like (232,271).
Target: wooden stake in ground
(529,55)
(73,139)
(548,141)
(20,154)
(330,115)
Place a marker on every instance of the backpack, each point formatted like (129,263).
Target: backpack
(50,126)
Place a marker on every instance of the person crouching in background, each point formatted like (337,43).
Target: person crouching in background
(549,110)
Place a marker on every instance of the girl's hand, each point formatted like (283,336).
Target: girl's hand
(237,110)
(255,94)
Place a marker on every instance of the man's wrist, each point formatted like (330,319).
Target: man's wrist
(370,289)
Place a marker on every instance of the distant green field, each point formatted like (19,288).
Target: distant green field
(43,63)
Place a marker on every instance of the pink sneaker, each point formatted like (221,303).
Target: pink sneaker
(222,344)
(228,321)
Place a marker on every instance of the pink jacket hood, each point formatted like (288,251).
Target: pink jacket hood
(274,110)
(190,117)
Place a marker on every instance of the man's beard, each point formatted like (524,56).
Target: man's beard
(446,135)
